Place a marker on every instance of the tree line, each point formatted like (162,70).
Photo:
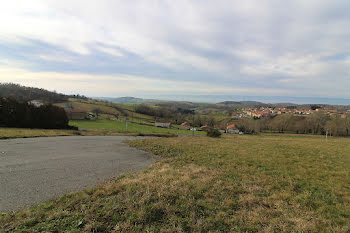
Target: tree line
(24,115)
(317,123)
(176,115)
(162,111)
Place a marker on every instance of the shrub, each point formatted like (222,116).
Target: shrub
(214,133)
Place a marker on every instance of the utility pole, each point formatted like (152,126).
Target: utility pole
(126,123)
(193,124)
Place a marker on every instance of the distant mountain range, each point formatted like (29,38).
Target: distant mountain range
(127,100)
(232,100)
(242,103)
(279,100)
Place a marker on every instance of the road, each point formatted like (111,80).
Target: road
(33,170)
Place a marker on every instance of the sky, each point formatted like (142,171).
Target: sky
(144,48)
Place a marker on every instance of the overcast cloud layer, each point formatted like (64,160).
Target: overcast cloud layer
(117,48)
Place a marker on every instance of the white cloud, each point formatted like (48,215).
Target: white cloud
(282,43)
(110,51)
(55,58)
(118,85)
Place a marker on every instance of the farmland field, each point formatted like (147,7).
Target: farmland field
(237,183)
(120,127)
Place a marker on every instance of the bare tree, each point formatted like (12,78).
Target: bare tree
(97,112)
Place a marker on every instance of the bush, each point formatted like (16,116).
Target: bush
(214,133)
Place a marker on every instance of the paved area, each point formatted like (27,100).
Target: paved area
(34,170)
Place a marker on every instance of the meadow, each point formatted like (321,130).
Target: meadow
(237,183)
(119,126)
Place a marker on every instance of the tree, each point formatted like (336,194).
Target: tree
(97,112)
(211,121)
(316,122)
(249,125)
(198,122)
(214,133)
(331,127)
(282,122)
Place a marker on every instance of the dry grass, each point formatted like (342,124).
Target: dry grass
(6,133)
(232,184)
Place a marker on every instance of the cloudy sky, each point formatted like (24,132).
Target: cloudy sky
(146,47)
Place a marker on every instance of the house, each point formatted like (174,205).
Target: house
(76,114)
(164,124)
(36,103)
(238,115)
(206,128)
(185,126)
(232,129)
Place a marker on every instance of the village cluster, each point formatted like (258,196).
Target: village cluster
(268,111)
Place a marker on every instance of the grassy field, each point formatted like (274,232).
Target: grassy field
(7,133)
(25,133)
(232,184)
(120,127)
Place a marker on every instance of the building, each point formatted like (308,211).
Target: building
(162,124)
(206,128)
(75,114)
(185,126)
(232,129)
(36,103)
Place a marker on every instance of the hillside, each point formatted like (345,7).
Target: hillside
(25,94)
(107,110)
(127,100)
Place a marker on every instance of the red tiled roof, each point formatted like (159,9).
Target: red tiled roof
(231,126)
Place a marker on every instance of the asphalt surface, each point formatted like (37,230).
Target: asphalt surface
(33,170)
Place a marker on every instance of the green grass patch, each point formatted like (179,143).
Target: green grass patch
(239,183)
(132,127)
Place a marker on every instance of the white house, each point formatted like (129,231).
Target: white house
(163,124)
(36,103)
